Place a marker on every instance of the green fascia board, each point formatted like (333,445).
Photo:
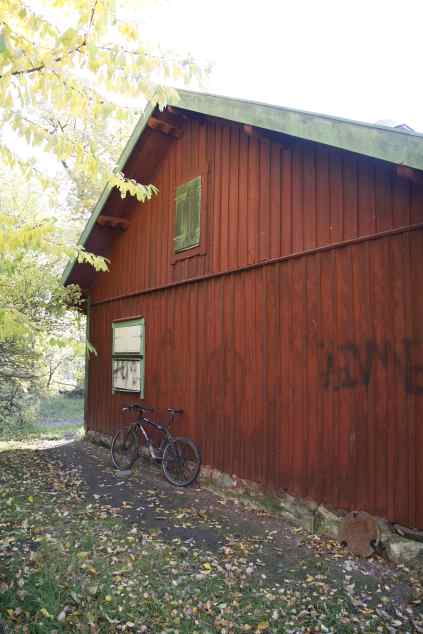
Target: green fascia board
(381,142)
(394,146)
(126,153)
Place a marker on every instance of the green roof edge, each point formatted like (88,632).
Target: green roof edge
(388,144)
(377,141)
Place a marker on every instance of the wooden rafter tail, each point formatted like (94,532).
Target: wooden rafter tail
(164,127)
(112,222)
(415,176)
(265,135)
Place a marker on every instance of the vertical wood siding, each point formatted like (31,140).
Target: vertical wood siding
(305,374)
(264,200)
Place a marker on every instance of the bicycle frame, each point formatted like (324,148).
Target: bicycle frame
(143,420)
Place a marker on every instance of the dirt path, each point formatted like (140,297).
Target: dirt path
(224,567)
(198,516)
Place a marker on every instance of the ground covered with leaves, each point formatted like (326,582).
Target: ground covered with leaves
(83,549)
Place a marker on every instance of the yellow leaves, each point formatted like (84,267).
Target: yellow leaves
(128,185)
(263,626)
(30,499)
(128,30)
(46,613)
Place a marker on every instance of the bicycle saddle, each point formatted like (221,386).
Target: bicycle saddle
(175,412)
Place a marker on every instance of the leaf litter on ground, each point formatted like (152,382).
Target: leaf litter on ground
(141,559)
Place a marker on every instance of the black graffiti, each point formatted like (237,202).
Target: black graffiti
(349,365)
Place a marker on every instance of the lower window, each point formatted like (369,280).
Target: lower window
(128,356)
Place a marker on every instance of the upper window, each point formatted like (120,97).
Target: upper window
(188,213)
(128,356)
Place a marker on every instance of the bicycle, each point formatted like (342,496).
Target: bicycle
(180,457)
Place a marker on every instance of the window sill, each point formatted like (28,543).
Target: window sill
(189,253)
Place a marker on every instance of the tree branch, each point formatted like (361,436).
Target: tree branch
(59,58)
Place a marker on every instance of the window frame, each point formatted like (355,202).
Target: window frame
(130,356)
(200,249)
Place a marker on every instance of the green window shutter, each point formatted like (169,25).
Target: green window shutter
(188,206)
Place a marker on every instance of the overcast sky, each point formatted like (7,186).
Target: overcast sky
(360,59)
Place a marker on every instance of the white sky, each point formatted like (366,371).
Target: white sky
(352,58)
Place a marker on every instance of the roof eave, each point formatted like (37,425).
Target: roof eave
(126,153)
(394,146)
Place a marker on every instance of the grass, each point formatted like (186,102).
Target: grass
(58,408)
(30,434)
(57,416)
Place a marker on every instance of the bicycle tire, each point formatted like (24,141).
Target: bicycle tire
(173,459)
(125,442)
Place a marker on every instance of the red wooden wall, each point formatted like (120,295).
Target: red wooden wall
(305,372)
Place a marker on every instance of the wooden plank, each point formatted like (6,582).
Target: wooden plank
(345,382)
(383,197)
(253,201)
(379,349)
(326,378)
(272,377)
(322,196)
(228,368)
(264,204)
(217,183)
(415,376)
(416,203)
(286,203)
(366,197)
(405,172)
(224,200)
(412,360)
(234,223)
(336,196)
(361,320)
(401,202)
(298,198)
(400,424)
(350,193)
(112,222)
(287,419)
(275,223)
(300,444)
(243,201)
(309,198)
(313,418)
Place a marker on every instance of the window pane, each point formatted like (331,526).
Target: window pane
(127,339)
(127,374)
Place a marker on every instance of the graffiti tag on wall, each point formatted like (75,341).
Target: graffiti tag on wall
(349,365)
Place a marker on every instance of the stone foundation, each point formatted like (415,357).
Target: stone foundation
(306,514)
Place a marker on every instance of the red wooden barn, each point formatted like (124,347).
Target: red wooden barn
(273,290)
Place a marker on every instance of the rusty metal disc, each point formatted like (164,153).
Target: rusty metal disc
(359,531)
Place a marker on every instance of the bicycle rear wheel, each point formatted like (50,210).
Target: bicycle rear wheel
(124,449)
(181,462)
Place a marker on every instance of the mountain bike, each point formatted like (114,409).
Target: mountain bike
(180,457)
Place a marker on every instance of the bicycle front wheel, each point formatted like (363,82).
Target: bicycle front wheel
(181,462)
(124,449)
